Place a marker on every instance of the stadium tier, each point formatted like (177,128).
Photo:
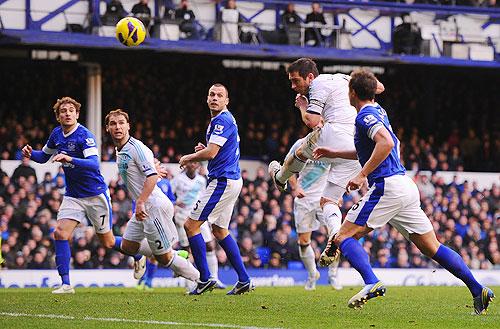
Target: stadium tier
(241,144)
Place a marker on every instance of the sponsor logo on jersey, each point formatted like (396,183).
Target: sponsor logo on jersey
(369,119)
(90,141)
(218,129)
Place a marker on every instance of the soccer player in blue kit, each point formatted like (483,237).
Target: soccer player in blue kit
(392,198)
(217,201)
(87,195)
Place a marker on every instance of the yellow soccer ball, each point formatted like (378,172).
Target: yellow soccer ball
(130,31)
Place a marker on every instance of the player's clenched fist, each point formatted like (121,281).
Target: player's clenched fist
(301,101)
(199,147)
(27,151)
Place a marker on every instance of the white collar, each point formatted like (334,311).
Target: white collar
(72,130)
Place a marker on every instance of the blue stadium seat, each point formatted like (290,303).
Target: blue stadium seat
(295,265)
(264,254)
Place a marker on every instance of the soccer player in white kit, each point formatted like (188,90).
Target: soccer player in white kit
(321,97)
(308,188)
(151,230)
(392,198)
(87,195)
(187,187)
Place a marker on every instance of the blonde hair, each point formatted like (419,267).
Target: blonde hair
(65,100)
(116,112)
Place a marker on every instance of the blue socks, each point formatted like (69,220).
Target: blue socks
(117,247)
(199,251)
(63,255)
(452,261)
(233,254)
(150,273)
(359,260)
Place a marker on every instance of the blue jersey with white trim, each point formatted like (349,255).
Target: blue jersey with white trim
(369,120)
(78,143)
(223,131)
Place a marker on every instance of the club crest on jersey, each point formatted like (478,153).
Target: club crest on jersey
(90,141)
(369,119)
(218,129)
(71,146)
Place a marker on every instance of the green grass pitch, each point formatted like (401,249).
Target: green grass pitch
(402,307)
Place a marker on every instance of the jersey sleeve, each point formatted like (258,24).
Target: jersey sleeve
(221,131)
(144,159)
(88,145)
(317,97)
(50,147)
(369,124)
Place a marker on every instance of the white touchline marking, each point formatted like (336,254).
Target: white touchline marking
(170,323)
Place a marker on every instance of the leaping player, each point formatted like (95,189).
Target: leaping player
(321,97)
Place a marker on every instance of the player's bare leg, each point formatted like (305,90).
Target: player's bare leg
(451,261)
(62,234)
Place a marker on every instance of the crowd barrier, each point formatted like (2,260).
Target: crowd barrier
(261,277)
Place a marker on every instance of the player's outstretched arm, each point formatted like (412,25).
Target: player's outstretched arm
(37,156)
(325,152)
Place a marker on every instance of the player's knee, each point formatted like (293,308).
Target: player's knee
(108,244)
(323,201)
(339,238)
(60,234)
(304,241)
(190,227)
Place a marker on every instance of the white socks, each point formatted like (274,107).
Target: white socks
(332,217)
(213,264)
(307,256)
(292,165)
(145,249)
(184,268)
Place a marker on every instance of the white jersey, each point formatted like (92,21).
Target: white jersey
(135,163)
(312,179)
(329,97)
(188,190)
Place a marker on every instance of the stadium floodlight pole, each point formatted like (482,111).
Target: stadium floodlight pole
(94,104)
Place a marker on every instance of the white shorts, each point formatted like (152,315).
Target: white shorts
(216,203)
(181,216)
(158,229)
(97,209)
(394,200)
(339,137)
(308,215)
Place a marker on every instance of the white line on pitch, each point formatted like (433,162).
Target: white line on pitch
(170,323)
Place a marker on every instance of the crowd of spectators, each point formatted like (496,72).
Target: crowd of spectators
(464,217)
(442,123)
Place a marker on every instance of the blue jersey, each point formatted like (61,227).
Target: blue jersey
(79,143)
(223,131)
(166,188)
(368,121)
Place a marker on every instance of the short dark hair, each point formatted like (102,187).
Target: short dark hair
(364,84)
(221,85)
(303,66)
(116,112)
